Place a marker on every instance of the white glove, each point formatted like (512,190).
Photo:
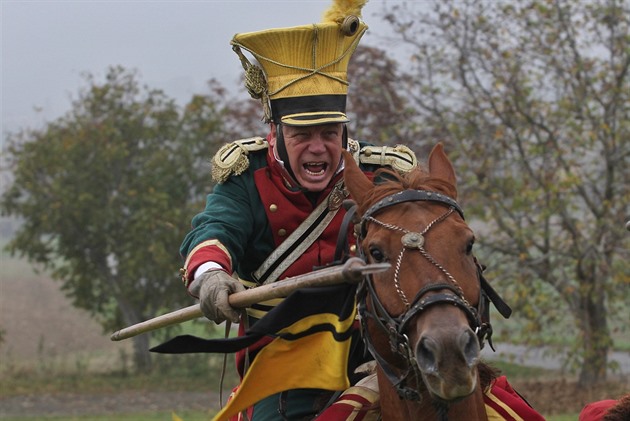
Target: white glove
(213,288)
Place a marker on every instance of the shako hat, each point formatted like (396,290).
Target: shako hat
(301,72)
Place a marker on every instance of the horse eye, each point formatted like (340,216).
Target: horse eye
(377,254)
(469,246)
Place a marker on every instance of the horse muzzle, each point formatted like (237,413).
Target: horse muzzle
(447,359)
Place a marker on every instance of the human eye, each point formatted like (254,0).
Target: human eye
(302,136)
(331,134)
(296,135)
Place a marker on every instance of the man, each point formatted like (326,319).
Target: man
(276,209)
(276,212)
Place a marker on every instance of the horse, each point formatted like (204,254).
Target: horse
(423,319)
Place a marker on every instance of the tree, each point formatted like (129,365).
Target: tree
(532,100)
(106,194)
(378,111)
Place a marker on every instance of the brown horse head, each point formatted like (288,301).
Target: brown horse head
(430,293)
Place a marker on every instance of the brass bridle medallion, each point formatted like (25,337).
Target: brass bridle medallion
(412,240)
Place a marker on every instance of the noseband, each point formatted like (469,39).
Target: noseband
(450,293)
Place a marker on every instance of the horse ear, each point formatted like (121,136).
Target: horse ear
(356,182)
(440,166)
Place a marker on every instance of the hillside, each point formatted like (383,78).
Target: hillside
(41,326)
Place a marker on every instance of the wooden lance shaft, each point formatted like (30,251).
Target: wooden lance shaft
(351,271)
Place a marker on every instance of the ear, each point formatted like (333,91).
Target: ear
(274,134)
(440,166)
(356,182)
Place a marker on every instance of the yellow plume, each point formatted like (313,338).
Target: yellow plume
(338,11)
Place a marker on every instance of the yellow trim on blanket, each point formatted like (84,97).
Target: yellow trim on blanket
(494,415)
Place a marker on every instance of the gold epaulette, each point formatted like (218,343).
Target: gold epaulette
(232,159)
(399,157)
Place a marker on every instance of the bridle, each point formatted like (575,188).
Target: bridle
(450,293)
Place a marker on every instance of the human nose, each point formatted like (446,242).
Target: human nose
(317,144)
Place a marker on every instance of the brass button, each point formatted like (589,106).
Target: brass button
(367,152)
(273,207)
(353,248)
(282,232)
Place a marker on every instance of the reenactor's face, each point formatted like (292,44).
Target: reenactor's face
(314,153)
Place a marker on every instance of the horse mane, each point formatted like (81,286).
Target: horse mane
(390,182)
(620,411)
(487,374)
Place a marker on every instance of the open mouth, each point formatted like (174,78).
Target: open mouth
(315,168)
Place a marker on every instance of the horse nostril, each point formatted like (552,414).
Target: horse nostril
(426,353)
(470,347)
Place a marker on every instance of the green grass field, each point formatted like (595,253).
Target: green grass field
(168,377)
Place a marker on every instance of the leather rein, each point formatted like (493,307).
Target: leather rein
(394,327)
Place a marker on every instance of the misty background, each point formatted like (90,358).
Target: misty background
(176,46)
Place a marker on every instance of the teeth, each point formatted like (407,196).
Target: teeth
(315,173)
(320,165)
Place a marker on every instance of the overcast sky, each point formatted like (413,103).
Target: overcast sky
(176,46)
